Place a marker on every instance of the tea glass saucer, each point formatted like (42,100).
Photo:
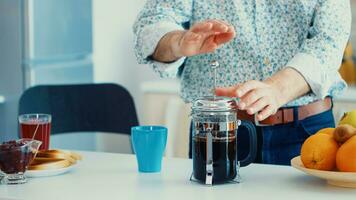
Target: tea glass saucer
(49,172)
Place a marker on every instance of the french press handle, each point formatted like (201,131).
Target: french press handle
(253,143)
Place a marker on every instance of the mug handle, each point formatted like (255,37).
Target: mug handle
(253,143)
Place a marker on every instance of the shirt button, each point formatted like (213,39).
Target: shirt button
(267,61)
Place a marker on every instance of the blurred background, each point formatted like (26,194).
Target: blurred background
(91,41)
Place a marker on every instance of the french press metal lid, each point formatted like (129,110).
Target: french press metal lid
(214,104)
(217,113)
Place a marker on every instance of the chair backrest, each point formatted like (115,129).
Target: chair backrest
(82,108)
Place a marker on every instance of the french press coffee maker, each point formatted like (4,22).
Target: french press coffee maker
(214,140)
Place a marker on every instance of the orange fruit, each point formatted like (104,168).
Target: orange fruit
(319,152)
(346,156)
(328,131)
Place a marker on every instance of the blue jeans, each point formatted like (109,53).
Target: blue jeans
(280,143)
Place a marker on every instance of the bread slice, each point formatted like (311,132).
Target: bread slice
(54,164)
(54,159)
(59,153)
(50,154)
(76,156)
(38,160)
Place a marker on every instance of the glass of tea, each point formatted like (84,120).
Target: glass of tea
(36,126)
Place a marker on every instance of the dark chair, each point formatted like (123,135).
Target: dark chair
(82,108)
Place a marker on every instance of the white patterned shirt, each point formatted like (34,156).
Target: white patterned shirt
(307,35)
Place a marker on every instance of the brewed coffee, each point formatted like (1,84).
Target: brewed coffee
(224,157)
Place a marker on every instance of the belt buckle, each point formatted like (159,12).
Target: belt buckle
(257,123)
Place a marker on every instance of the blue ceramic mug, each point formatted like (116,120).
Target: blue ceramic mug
(149,143)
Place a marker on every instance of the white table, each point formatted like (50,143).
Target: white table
(115,176)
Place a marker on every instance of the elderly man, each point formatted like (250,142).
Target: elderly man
(280,57)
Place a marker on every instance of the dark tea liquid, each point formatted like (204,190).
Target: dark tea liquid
(43,132)
(224,158)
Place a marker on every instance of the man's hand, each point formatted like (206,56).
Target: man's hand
(255,97)
(266,97)
(202,37)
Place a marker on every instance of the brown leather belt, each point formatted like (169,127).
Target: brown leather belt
(286,115)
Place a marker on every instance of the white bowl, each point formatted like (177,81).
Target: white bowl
(341,179)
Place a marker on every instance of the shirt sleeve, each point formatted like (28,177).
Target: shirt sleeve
(157,18)
(320,55)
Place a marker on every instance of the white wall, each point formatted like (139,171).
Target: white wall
(11,80)
(114,58)
(353,25)
(114,61)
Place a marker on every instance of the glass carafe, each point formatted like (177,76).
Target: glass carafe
(214,140)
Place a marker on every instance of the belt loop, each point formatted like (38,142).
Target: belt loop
(295,116)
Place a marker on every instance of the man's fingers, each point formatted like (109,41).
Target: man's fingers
(251,97)
(240,90)
(218,26)
(191,37)
(206,36)
(266,112)
(230,27)
(225,37)
(214,41)
(208,45)
(226,91)
(210,25)
(202,27)
(257,106)
(223,22)
(243,89)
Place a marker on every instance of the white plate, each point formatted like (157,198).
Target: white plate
(342,179)
(48,172)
